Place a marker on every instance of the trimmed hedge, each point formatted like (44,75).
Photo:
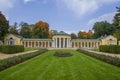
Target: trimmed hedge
(9,49)
(110,49)
(108,59)
(6,63)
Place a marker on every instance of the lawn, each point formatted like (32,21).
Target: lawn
(49,67)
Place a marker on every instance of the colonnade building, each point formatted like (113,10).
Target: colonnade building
(60,40)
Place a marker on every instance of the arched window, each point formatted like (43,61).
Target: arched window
(11,41)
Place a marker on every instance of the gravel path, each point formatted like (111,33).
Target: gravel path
(108,54)
(4,56)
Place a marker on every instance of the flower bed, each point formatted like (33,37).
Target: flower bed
(6,63)
(108,59)
(62,54)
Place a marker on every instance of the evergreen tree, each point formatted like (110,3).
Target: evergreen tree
(116,21)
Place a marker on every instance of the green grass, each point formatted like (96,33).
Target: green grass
(49,67)
(30,49)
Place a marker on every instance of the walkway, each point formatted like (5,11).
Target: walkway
(108,54)
(4,56)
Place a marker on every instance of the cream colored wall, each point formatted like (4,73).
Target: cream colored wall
(17,40)
(104,41)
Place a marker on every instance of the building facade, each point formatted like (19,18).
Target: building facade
(60,40)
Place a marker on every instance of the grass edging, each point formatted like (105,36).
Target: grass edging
(6,63)
(108,59)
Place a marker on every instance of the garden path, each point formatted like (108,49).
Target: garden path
(108,54)
(4,56)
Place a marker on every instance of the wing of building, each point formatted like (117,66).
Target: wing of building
(59,40)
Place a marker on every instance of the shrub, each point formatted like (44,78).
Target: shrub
(110,48)
(108,59)
(62,54)
(9,49)
(6,63)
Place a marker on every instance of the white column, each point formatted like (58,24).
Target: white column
(67,42)
(63,42)
(45,44)
(87,44)
(59,42)
(53,43)
(56,42)
(94,44)
(48,44)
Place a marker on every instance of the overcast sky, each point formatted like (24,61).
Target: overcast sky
(66,15)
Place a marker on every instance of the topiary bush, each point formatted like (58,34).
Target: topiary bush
(110,49)
(10,49)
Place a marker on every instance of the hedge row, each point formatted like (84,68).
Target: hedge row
(6,63)
(108,59)
(110,49)
(9,49)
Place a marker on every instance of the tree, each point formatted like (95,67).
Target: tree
(13,29)
(26,30)
(103,28)
(116,21)
(4,26)
(73,36)
(41,30)
(117,34)
(81,34)
(89,34)
(85,35)
(52,33)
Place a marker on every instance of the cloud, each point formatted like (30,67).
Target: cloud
(82,7)
(108,17)
(27,1)
(39,1)
(6,4)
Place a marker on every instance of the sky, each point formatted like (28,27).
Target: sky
(62,15)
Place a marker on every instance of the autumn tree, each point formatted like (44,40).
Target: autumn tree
(89,34)
(85,35)
(41,30)
(4,26)
(26,30)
